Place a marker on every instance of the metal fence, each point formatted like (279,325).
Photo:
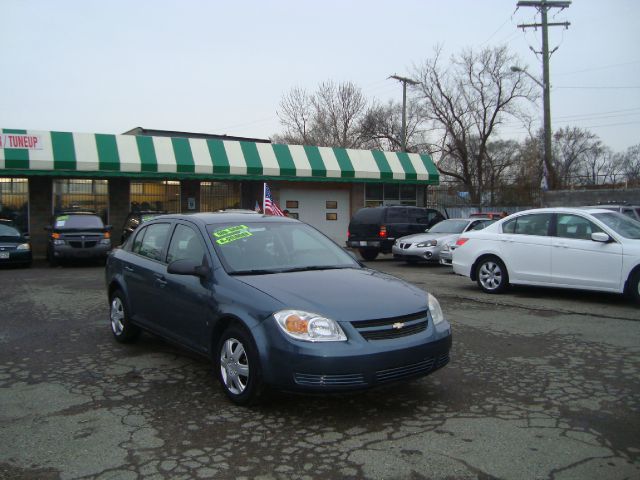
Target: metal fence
(455,201)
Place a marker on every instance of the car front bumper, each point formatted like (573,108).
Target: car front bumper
(352,365)
(428,254)
(68,252)
(15,257)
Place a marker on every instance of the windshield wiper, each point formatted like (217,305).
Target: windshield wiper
(256,271)
(309,268)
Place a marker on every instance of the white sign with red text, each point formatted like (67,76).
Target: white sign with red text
(20,140)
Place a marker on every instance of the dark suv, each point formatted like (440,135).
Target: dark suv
(373,230)
(134,219)
(77,235)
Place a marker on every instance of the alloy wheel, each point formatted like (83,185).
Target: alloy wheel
(234,366)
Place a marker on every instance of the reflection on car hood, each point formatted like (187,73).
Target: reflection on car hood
(423,237)
(345,295)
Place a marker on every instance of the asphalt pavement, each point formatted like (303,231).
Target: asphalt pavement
(542,384)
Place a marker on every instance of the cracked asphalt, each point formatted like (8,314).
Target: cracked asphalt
(542,384)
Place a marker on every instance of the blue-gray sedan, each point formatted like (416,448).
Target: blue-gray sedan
(273,303)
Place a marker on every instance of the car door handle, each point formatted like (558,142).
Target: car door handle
(128,268)
(161,280)
(561,245)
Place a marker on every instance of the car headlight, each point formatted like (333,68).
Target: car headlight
(23,246)
(428,243)
(434,307)
(105,241)
(58,242)
(309,327)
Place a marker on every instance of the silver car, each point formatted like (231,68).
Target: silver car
(428,246)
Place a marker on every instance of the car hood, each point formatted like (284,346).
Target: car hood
(348,294)
(423,237)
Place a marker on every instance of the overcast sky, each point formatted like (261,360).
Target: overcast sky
(222,67)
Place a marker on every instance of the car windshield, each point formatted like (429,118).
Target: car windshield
(271,247)
(621,224)
(449,226)
(78,221)
(8,232)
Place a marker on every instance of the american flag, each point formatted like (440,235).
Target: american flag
(270,207)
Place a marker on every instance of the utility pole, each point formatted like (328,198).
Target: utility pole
(543,7)
(404,81)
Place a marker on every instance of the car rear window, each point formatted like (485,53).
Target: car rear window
(368,215)
(78,221)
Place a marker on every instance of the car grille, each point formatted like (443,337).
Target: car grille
(404,246)
(85,244)
(329,380)
(389,328)
(414,369)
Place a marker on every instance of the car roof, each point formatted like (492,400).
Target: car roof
(576,210)
(75,212)
(208,218)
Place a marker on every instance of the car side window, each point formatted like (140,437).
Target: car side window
(153,241)
(575,226)
(534,224)
(185,244)
(397,215)
(137,240)
(480,224)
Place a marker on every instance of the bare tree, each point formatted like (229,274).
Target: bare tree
(572,147)
(630,164)
(382,127)
(465,102)
(332,116)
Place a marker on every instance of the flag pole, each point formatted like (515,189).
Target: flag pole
(264,196)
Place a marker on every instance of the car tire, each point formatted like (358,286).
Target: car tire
(368,253)
(237,366)
(492,275)
(123,330)
(633,286)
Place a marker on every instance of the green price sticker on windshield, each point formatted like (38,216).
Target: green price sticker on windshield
(231,234)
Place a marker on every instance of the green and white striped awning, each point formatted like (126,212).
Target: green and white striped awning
(27,152)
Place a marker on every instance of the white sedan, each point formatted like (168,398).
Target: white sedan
(590,249)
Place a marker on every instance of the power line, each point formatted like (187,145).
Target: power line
(603,67)
(602,88)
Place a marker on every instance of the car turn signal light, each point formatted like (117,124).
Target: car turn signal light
(55,236)
(107,234)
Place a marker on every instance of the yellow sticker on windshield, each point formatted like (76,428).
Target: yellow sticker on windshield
(231,234)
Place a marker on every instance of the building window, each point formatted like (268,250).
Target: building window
(377,194)
(331,205)
(216,196)
(158,196)
(332,216)
(292,204)
(14,202)
(81,194)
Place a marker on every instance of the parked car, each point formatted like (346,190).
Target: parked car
(491,215)
(134,219)
(591,249)
(632,211)
(15,248)
(77,235)
(273,303)
(427,246)
(374,230)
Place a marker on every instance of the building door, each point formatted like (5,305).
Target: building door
(326,210)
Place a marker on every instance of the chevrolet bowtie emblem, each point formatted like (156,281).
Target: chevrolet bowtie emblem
(398,325)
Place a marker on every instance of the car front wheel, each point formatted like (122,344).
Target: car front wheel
(238,366)
(491,275)
(121,327)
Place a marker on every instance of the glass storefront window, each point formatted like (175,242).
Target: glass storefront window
(14,202)
(216,196)
(159,196)
(389,194)
(81,194)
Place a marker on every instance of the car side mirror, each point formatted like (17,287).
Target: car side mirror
(186,266)
(600,237)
